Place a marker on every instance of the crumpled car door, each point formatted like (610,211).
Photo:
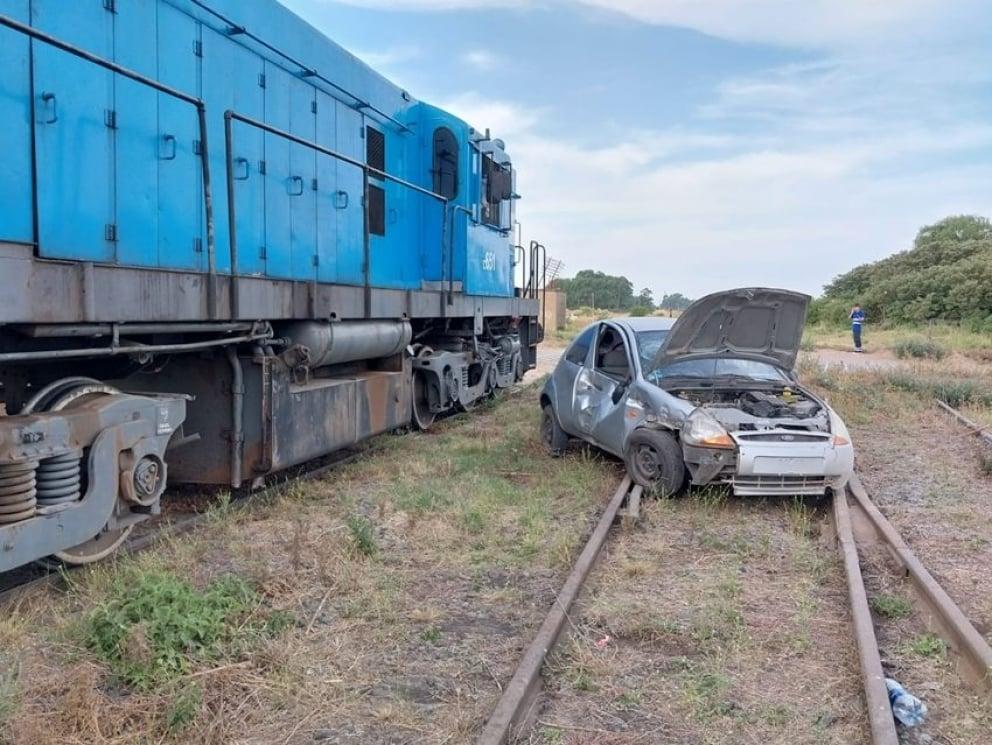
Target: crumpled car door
(593,399)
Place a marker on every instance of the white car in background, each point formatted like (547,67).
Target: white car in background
(710,398)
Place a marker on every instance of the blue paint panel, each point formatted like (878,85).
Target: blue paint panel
(303,170)
(351,219)
(328,200)
(181,243)
(144,178)
(231,80)
(74,146)
(16,220)
(278,175)
(136,111)
(488,266)
(394,264)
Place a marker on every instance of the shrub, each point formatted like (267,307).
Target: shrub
(154,624)
(639,311)
(954,393)
(919,349)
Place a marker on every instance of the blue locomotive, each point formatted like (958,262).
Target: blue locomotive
(228,247)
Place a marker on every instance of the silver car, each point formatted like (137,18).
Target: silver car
(710,398)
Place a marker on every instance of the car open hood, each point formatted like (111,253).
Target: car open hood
(752,322)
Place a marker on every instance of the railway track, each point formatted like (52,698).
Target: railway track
(857,524)
(514,714)
(20,582)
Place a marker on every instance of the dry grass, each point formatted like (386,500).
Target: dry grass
(717,621)
(952,337)
(412,580)
(929,476)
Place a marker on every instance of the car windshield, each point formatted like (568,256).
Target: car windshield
(648,344)
(722,367)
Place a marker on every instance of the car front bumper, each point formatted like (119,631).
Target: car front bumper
(768,463)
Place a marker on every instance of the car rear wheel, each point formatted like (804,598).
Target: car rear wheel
(552,435)
(654,460)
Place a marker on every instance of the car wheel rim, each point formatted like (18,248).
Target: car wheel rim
(646,461)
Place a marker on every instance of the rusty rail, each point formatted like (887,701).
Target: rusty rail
(883,726)
(975,427)
(516,704)
(975,655)
(180,526)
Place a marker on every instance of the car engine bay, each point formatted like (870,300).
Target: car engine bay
(743,410)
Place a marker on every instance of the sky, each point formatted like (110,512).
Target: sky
(697,145)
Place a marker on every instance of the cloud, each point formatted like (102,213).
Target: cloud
(388,57)
(791,23)
(505,119)
(808,23)
(482,60)
(738,212)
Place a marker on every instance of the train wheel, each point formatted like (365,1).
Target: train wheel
(62,394)
(423,417)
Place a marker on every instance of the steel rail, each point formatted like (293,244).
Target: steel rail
(975,427)
(880,719)
(516,704)
(975,654)
(188,523)
(166,528)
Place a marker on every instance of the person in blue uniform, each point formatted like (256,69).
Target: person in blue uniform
(857,321)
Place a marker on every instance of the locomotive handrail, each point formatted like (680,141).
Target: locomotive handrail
(234,29)
(201,111)
(230,117)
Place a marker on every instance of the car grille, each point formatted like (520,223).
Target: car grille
(779,484)
(781,437)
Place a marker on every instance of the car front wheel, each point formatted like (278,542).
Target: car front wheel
(654,460)
(552,435)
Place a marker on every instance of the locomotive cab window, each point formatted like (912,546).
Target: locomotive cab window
(445,168)
(375,157)
(497,187)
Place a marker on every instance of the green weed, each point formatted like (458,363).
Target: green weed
(800,518)
(431,634)
(928,645)
(154,625)
(184,710)
(891,606)
(363,535)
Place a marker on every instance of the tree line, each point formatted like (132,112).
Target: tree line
(946,275)
(592,289)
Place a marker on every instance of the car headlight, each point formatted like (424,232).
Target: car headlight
(838,429)
(703,430)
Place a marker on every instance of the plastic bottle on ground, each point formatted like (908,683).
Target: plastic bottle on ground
(906,708)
